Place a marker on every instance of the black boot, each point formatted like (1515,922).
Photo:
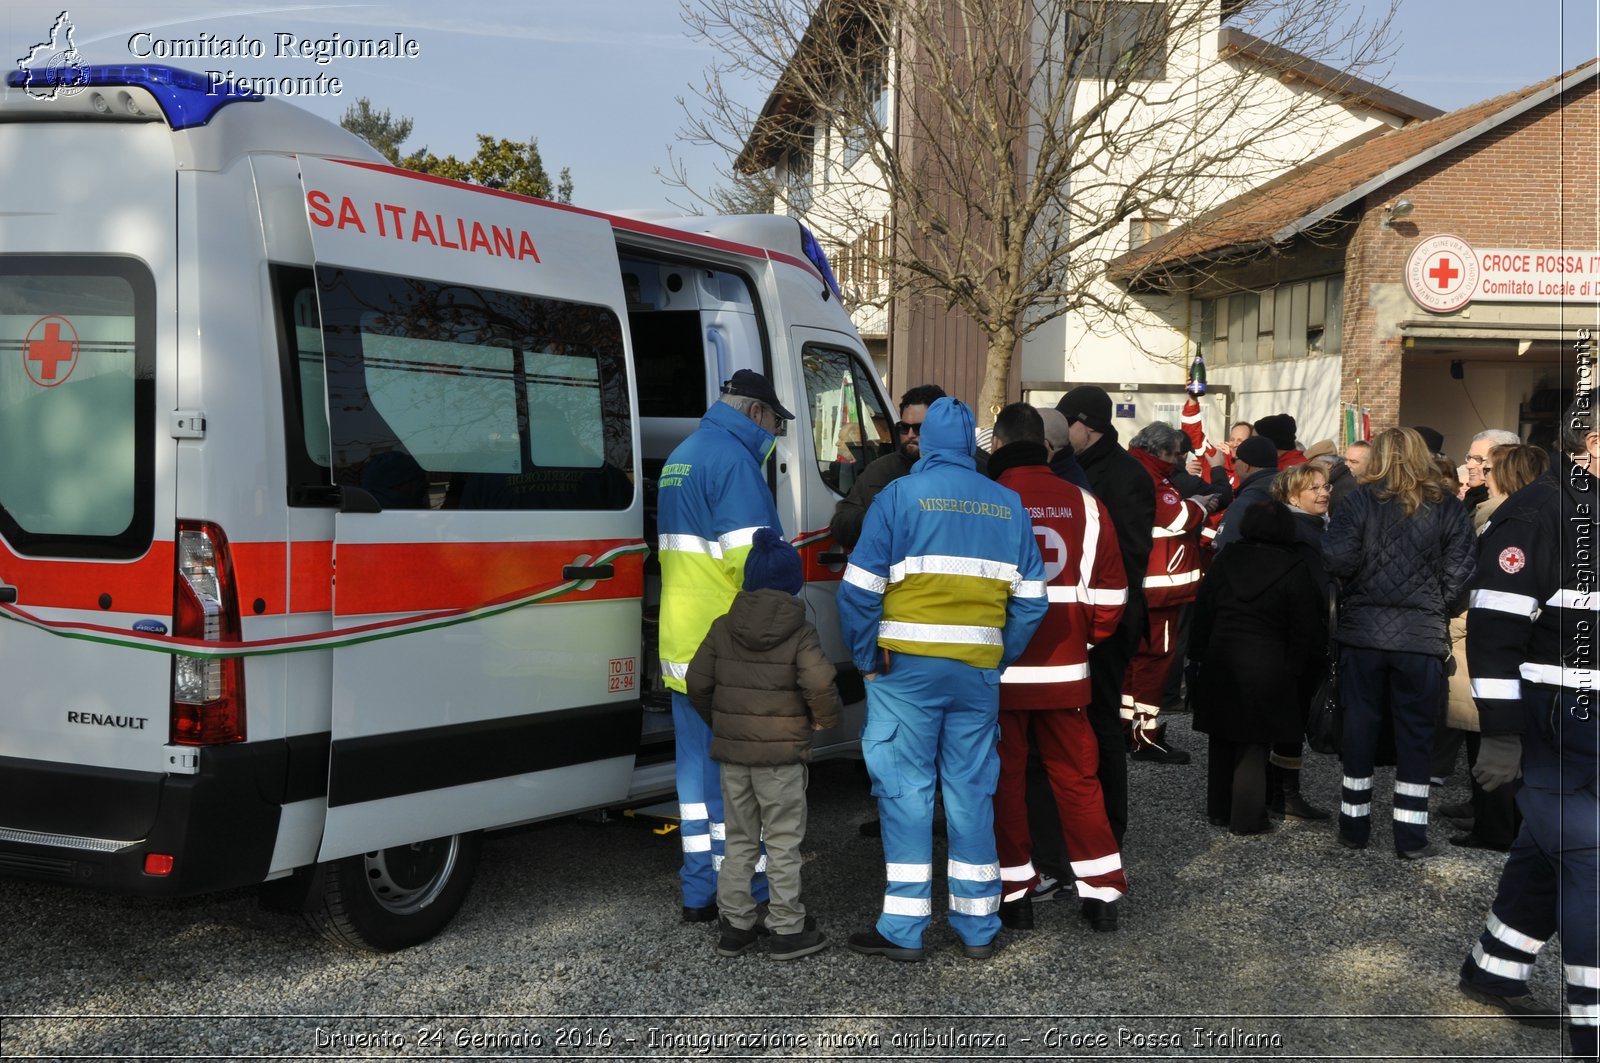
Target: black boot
(1017,914)
(1294,806)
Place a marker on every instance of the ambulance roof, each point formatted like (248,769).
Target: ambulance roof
(211,124)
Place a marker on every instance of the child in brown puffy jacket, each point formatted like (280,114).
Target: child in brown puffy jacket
(762,682)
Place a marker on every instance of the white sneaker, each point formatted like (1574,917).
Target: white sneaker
(1047,889)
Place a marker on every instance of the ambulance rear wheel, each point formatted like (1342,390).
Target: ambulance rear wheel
(391,899)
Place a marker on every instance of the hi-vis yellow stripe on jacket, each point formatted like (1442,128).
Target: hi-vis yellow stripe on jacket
(712,499)
(947,565)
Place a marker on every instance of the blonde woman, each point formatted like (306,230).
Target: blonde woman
(1403,547)
(1304,490)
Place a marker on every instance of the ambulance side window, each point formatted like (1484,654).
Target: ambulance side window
(849,425)
(305,411)
(512,401)
(77,405)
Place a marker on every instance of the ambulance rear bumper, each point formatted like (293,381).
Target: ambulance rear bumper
(94,827)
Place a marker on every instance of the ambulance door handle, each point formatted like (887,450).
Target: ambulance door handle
(588,571)
(7,594)
(837,557)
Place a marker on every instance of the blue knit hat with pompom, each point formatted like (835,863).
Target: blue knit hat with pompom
(772,562)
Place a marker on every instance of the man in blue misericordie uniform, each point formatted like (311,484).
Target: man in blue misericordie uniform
(944,589)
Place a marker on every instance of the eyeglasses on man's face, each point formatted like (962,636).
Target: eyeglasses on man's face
(908,428)
(1477,459)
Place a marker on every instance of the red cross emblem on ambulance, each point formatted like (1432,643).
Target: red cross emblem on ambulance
(50,351)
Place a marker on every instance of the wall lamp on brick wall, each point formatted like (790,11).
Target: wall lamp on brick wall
(1398,209)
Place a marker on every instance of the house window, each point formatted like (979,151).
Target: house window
(1298,320)
(1214,341)
(1244,309)
(1142,230)
(857,138)
(1116,40)
(797,179)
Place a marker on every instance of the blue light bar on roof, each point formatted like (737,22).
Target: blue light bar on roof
(819,259)
(186,99)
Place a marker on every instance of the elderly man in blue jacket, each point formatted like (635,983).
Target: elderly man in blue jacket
(944,589)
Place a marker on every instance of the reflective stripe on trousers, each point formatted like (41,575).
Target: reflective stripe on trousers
(928,718)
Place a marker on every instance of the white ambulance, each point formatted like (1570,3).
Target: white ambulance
(326,495)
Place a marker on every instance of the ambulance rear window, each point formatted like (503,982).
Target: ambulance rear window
(77,405)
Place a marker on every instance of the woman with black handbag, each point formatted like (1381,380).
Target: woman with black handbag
(1258,632)
(1403,546)
(1306,491)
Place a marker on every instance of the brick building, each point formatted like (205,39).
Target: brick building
(1446,273)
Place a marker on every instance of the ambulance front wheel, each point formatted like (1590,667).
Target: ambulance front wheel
(391,899)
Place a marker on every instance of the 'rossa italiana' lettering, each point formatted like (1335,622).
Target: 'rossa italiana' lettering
(392,220)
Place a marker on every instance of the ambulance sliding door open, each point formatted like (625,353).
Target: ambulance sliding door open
(488,556)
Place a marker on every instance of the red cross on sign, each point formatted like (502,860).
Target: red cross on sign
(46,350)
(1444,272)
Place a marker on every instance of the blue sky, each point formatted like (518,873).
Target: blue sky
(596,82)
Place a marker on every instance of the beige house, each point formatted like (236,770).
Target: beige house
(1132,92)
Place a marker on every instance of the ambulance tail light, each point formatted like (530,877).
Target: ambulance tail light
(207,693)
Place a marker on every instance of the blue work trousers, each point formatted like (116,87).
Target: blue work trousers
(1551,881)
(928,719)
(1412,684)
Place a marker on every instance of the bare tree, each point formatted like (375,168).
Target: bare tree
(1012,141)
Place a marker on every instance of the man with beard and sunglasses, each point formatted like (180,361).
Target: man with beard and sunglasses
(852,509)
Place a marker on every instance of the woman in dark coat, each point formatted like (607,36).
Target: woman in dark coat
(1306,490)
(1259,629)
(1403,547)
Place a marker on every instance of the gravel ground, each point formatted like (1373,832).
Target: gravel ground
(1284,945)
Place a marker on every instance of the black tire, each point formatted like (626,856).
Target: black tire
(395,898)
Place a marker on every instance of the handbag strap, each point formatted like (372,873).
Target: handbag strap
(1333,623)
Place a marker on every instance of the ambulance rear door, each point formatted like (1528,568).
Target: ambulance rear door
(488,551)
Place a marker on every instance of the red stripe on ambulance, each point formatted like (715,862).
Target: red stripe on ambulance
(377,578)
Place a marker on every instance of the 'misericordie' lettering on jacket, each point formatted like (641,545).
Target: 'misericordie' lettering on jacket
(964,505)
(672,475)
(95,719)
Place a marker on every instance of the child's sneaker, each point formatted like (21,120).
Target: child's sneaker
(734,941)
(803,942)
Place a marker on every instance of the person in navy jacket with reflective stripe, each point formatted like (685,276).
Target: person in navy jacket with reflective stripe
(944,589)
(1531,649)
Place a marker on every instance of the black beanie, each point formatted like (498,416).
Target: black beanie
(1431,436)
(1088,404)
(1257,451)
(1280,428)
